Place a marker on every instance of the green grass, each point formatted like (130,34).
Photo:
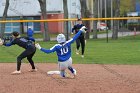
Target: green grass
(103,32)
(122,51)
(40,35)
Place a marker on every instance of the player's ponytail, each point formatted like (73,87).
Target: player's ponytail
(16,34)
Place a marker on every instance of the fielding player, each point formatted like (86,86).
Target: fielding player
(80,39)
(63,50)
(29,51)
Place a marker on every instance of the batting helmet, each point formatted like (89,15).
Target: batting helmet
(61,38)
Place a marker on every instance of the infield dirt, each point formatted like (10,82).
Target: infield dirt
(91,78)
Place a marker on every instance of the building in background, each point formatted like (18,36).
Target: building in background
(30,10)
(138,6)
(134,24)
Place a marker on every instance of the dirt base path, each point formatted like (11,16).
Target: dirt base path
(91,78)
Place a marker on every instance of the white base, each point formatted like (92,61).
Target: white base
(53,72)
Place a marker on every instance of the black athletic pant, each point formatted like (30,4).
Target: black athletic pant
(29,53)
(80,40)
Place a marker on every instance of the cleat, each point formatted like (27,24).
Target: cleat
(74,73)
(33,70)
(77,52)
(82,56)
(16,72)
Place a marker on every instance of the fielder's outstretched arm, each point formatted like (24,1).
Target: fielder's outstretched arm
(8,44)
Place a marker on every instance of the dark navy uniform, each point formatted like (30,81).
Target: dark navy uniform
(28,45)
(81,38)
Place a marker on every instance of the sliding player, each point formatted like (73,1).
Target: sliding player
(63,50)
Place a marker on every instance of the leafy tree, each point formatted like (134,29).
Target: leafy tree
(126,6)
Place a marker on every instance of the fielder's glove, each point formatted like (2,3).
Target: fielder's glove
(38,46)
(83,29)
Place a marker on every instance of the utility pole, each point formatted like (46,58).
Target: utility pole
(99,13)
(111,15)
(101,8)
(98,8)
(106,21)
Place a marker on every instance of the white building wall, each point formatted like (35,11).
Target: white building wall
(21,7)
(32,7)
(54,5)
(74,8)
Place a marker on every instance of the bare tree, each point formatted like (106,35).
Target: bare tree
(95,15)
(4,18)
(21,18)
(85,14)
(65,7)
(44,15)
(116,22)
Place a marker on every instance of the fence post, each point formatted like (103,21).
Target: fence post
(134,31)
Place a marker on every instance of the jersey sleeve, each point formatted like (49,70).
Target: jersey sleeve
(12,42)
(53,49)
(75,37)
(74,27)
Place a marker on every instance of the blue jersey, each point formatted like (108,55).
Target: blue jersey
(30,32)
(63,50)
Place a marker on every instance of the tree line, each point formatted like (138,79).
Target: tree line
(120,7)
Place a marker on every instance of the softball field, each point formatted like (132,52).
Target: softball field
(91,78)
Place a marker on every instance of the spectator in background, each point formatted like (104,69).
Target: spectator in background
(30,34)
(81,39)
